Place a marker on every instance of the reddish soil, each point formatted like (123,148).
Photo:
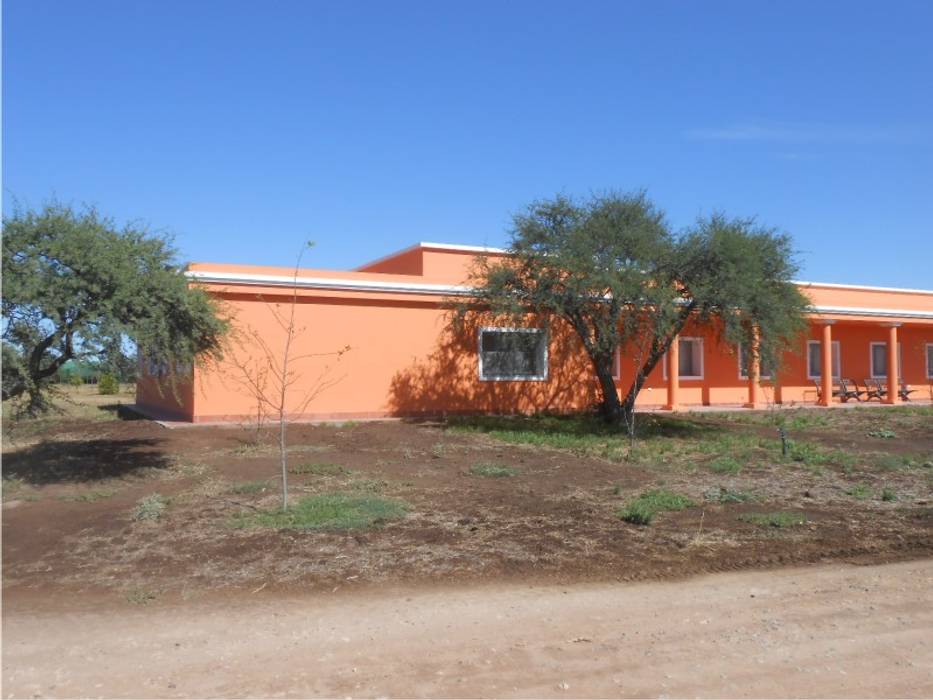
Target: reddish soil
(554,522)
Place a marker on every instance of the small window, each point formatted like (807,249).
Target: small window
(929,360)
(879,361)
(691,359)
(765,369)
(512,354)
(815,359)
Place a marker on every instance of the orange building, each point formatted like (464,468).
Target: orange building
(404,358)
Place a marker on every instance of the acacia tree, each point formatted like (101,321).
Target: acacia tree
(76,287)
(275,377)
(611,268)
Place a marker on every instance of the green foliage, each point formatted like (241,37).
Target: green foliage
(727,495)
(318,469)
(611,269)
(859,491)
(76,286)
(108,384)
(245,488)
(888,494)
(493,470)
(725,465)
(641,510)
(150,508)
(90,496)
(778,519)
(883,433)
(333,511)
(75,380)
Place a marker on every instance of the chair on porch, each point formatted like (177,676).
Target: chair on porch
(837,390)
(849,390)
(874,389)
(904,392)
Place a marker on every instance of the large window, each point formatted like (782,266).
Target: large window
(765,369)
(512,354)
(815,359)
(691,359)
(929,360)
(879,361)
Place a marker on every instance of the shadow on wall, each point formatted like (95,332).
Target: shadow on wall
(447,380)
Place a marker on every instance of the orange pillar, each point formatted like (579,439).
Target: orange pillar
(826,371)
(893,369)
(673,373)
(754,372)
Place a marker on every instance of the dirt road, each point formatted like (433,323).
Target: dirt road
(821,631)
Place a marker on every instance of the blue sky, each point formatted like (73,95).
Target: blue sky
(244,128)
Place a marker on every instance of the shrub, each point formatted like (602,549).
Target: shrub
(493,470)
(778,519)
(318,469)
(859,491)
(150,508)
(75,380)
(108,384)
(641,510)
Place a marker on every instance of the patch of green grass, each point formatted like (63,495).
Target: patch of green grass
(370,485)
(859,491)
(318,469)
(726,495)
(330,511)
(725,465)
(883,433)
(888,494)
(892,462)
(150,508)
(140,596)
(777,519)
(244,488)
(814,456)
(642,509)
(15,488)
(89,496)
(493,470)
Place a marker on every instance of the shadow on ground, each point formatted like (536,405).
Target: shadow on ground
(70,461)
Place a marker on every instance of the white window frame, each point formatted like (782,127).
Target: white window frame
(742,373)
(689,377)
(837,356)
(927,358)
(506,377)
(871,359)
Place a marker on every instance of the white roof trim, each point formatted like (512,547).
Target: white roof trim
(463,248)
(866,311)
(323,283)
(863,287)
(459,290)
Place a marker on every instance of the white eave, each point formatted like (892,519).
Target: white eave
(346,285)
(351,285)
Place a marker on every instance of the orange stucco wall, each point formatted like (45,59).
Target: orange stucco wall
(405,359)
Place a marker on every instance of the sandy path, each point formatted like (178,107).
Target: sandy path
(822,631)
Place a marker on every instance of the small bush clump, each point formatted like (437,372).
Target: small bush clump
(108,384)
(150,508)
(318,469)
(641,510)
(778,519)
(493,470)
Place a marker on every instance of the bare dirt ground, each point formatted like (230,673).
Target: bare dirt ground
(823,631)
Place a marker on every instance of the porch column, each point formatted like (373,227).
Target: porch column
(754,371)
(826,371)
(893,370)
(673,373)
